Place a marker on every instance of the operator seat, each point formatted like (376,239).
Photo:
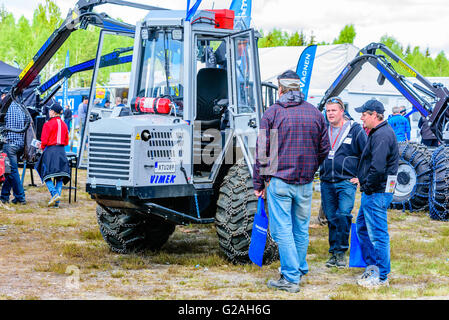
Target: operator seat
(211,86)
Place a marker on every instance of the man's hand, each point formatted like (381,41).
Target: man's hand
(260,193)
(354,180)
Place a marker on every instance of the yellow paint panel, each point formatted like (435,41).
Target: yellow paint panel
(402,64)
(24,71)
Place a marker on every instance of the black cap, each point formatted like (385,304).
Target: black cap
(56,107)
(371,105)
(289,74)
(107,101)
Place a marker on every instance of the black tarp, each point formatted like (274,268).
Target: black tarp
(7,76)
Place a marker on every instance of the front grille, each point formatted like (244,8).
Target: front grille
(164,145)
(109,156)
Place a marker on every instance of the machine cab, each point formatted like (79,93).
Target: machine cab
(207,77)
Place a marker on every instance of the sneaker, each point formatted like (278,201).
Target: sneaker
(56,205)
(283,284)
(340,260)
(373,282)
(4,201)
(332,262)
(53,199)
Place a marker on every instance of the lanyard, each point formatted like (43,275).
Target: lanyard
(336,138)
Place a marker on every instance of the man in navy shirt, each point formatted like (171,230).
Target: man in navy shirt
(377,173)
(338,176)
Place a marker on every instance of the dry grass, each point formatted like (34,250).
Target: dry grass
(60,254)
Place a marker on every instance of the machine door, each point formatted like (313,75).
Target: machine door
(246,101)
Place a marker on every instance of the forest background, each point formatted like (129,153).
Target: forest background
(20,40)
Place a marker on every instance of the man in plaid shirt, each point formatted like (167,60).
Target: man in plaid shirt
(15,119)
(292,143)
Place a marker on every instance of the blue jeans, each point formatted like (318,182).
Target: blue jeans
(289,208)
(54,189)
(372,231)
(337,200)
(12,180)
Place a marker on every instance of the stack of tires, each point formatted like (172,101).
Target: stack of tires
(423,180)
(439,186)
(413,182)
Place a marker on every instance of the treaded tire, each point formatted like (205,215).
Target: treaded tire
(126,230)
(412,189)
(236,207)
(439,186)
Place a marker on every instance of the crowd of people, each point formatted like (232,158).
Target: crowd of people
(52,166)
(295,141)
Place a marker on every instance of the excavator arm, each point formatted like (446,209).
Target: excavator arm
(110,59)
(429,99)
(78,18)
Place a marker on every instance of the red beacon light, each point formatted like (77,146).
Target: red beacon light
(152,105)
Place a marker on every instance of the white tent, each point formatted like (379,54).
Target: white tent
(329,62)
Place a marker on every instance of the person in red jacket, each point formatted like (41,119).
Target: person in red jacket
(53,164)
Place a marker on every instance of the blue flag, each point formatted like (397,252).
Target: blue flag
(259,234)
(305,67)
(242,13)
(191,11)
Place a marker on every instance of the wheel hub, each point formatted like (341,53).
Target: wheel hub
(407,179)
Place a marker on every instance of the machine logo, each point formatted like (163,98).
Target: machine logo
(165,179)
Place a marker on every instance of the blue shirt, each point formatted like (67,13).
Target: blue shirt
(15,119)
(400,126)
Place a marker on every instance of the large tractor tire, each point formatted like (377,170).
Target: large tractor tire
(236,207)
(439,185)
(413,182)
(128,231)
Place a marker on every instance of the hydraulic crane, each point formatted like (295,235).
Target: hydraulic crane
(79,17)
(429,99)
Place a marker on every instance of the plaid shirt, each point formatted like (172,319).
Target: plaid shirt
(15,119)
(293,141)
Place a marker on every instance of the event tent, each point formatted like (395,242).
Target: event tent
(7,76)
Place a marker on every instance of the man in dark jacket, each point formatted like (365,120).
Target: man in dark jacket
(67,116)
(377,176)
(338,178)
(427,136)
(292,143)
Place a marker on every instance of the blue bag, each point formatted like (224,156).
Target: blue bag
(355,252)
(259,234)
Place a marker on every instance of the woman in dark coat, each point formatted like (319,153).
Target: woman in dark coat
(53,163)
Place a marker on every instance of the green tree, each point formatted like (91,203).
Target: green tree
(347,35)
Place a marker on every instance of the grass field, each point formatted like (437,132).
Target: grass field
(49,253)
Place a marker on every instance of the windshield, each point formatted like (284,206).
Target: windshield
(162,66)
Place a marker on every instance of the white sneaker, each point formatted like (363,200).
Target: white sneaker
(53,199)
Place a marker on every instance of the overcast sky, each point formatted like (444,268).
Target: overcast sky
(423,23)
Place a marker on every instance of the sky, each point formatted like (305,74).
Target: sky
(423,23)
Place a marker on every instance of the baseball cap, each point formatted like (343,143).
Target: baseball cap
(289,74)
(371,105)
(56,107)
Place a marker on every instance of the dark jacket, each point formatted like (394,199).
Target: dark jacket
(380,158)
(67,114)
(426,133)
(302,142)
(345,163)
